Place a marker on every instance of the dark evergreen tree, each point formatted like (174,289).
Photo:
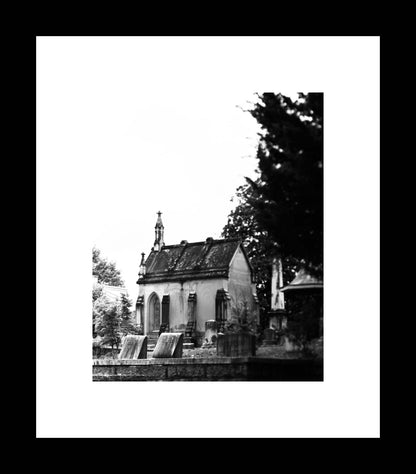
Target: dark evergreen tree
(287,198)
(243,224)
(125,306)
(280,214)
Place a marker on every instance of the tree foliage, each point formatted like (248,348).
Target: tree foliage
(105,271)
(306,311)
(260,248)
(97,292)
(107,318)
(280,214)
(127,323)
(113,320)
(287,198)
(242,320)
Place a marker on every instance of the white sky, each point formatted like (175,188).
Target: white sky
(183,154)
(182,146)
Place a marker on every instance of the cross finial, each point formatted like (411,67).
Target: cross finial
(159,241)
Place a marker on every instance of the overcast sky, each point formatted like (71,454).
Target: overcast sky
(183,154)
(147,124)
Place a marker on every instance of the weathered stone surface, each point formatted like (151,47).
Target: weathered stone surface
(269,335)
(236,345)
(211,333)
(185,372)
(215,369)
(134,347)
(169,345)
(291,345)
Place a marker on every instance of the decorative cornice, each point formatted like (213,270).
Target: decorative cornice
(182,277)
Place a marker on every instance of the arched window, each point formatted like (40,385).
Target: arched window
(154,313)
(221,308)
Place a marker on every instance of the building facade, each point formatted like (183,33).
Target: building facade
(182,286)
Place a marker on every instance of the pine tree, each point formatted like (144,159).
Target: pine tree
(287,198)
(243,224)
(127,325)
(280,214)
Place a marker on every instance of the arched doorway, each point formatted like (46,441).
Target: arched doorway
(154,313)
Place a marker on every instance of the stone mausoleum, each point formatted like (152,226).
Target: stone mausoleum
(184,285)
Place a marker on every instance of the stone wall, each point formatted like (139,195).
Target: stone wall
(240,286)
(218,369)
(236,345)
(205,290)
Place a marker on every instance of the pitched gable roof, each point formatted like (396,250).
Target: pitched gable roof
(304,281)
(198,260)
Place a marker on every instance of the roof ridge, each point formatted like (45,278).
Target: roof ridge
(202,242)
(196,257)
(175,262)
(204,254)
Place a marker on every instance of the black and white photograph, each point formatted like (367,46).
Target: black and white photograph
(244,302)
(195,195)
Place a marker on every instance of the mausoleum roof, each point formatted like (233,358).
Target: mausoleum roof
(197,260)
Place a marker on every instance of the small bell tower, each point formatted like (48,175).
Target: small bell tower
(159,234)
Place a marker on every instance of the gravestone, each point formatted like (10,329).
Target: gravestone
(236,345)
(169,345)
(269,337)
(211,333)
(190,331)
(134,347)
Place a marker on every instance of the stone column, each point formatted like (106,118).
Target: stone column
(278,298)
(222,308)
(256,308)
(277,315)
(140,313)
(191,306)
(190,331)
(165,313)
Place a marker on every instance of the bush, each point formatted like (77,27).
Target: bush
(241,321)
(112,321)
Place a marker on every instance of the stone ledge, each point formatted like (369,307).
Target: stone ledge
(199,360)
(212,369)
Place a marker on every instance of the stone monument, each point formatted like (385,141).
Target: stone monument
(238,344)
(277,315)
(134,347)
(189,340)
(270,338)
(169,345)
(211,334)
